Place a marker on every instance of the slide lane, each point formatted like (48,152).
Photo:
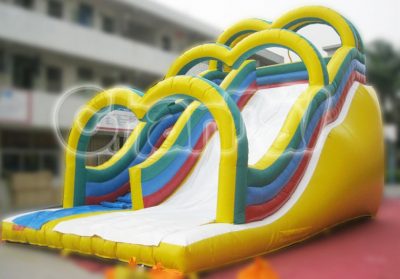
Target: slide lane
(243,93)
(193,204)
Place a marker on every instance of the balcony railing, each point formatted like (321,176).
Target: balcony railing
(42,32)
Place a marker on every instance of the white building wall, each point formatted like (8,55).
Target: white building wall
(43,32)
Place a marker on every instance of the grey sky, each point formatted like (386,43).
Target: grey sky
(373,18)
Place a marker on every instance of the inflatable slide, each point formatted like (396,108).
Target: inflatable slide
(237,161)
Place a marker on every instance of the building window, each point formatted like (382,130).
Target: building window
(107,82)
(85,15)
(16,140)
(27,4)
(25,151)
(11,162)
(85,74)
(108,24)
(55,8)
(54,79)
(50,162)
(24,70)
(166,43)
(123,78)
(145,81)
(31,162)
(139,32)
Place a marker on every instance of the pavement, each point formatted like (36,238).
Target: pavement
(19,261)
(368,249)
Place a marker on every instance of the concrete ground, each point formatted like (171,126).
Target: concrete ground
(23,261)
(392,191)
(20,261)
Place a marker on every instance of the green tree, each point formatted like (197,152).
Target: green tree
(383,71)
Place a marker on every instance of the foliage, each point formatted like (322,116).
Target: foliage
(383,72)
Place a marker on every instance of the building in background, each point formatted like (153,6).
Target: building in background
(48,46)
(330,49)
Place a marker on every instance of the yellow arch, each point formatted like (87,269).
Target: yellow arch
(231,57)
(116,96)
(250,24)
(244,27)
(210,51)
(347,35)
(330,16)
(293,18)
(216,104)
(194,87)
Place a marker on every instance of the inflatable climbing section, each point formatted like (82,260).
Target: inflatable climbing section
(237,161)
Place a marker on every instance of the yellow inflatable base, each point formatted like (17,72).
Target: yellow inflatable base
(347,184)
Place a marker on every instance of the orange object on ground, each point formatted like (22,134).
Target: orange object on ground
(159,272)
(109,273)
(132,262)
(260,269)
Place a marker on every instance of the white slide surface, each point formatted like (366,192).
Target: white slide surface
(192,208)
